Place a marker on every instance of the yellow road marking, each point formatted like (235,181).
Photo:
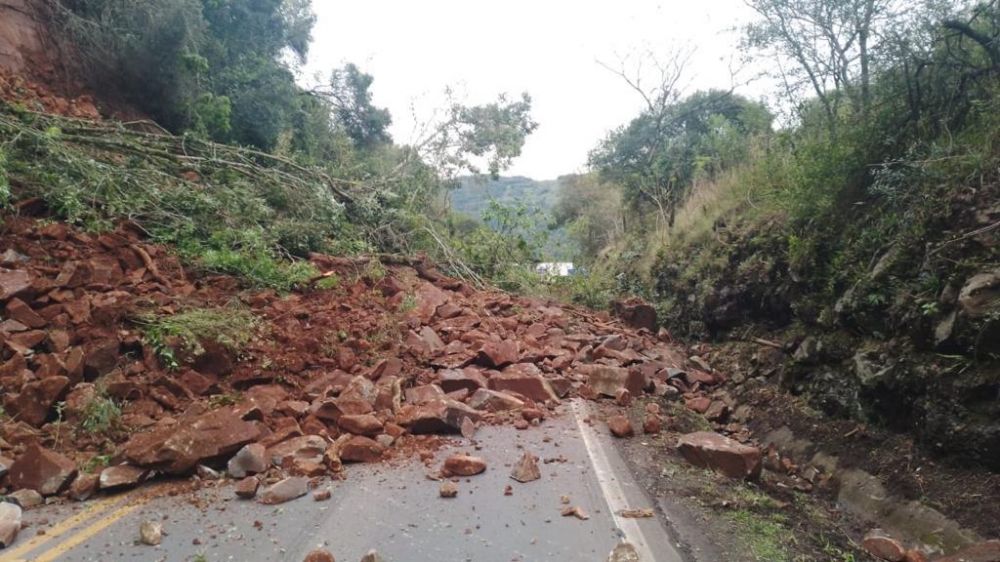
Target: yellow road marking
(93,509)
(86,533)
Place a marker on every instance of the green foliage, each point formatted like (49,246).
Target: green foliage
(507,246)
(4,182)
(101,415)
(353,111)
(187,331)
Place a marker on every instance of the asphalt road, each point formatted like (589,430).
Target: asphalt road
(393,509)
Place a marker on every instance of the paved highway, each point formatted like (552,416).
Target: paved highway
(394,509)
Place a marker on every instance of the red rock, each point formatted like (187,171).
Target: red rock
(988,551)
(101,356)
(121,476)
(880,545)
(532,414)
(306,447)
(652,424)
(214,435)
(623,397)
(285,490)
(497,354)
(322,495)
(332,408)
(388,367)
(464,465)
(652,408)
(33,404)
(13,283)
(247,487)
(717,411)
(699,404)
(468,428)
(493,401)
(10,523)
(364,424)
(423,393)
(448,489)
(361,449)
(42,470)
(251,459)
(711,450)
(521,424)
(620,426)
(84,486)
(198,383)
(438,416)
(20,311)
(319,555)
(526,469)
(524,379)
(451,380)
(914,555)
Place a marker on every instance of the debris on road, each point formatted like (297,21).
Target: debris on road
(463,465)
(717,452)
(247,487)
(322,495)
(624,552)
(285,490)
(319,555)
(637,513)
(620,426)
(448,489)
(10,523)
(150,533)
(526,469)
(371,556)
(575,511)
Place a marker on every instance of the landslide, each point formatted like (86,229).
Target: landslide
(883,310)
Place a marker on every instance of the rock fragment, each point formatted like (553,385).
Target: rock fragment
(882,546)
(151,533)
(10,523)
(319,555)
(251,459)
(448,489)
(624,552)
(464,465)
(247,487)
(620,426)
(371,556)
(361,449)
(27,498)
(526,469)
(42,470)
(285,490)
(575,511)
(711,450)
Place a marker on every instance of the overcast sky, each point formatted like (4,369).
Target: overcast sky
(549,48)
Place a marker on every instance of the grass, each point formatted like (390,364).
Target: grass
(186,331)
(766,536)
(101,415)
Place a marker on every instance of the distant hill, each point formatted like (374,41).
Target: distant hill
(474,193)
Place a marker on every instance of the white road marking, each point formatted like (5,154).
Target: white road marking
(614,495)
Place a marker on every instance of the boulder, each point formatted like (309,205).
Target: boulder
(364,424)
(13,282)
(880,545)
(306,447)
(608,380)
(438,416)
(121,476)
(636,313)
(451,380)
(10,523)
(497,354)
(84,486)
(33,404)
(251,459)
(42,470)
(26,498)
(494,401)
(525,379)
(361,449)
(620,426)
(211,436)
(711,450)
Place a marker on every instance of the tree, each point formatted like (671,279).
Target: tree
(351,102)
(824,46)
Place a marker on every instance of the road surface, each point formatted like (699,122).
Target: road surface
(394,509)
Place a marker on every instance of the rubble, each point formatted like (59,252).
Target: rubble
(319,555)
(526,469)
(720,453)
(151,533)
(448,489)
(464,465)
(10,523)
(620,426)
(42,470)
(285,490)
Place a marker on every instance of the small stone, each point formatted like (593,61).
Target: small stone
(623,397)
(526,469)
(653,424)
(247,488)
(151,533)
(624,552)
(361,449)
(84,486)
(322,495)
(882,546)
(319,555)
(575,511)
(371,556)
(27,498)
(10,523)
(521,424)
(448,489)
(620,426)
(464,465)
(207,473)
(285,490)
(652,408)
(508,490)
(468,428)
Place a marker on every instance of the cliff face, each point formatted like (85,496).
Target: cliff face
(23,33)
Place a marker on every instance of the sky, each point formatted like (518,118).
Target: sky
(548,48)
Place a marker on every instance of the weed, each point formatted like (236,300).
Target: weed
(408,303)
(96,462)
(101,415)
(326,283)
(185,331)
(220,400)
(765,536)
